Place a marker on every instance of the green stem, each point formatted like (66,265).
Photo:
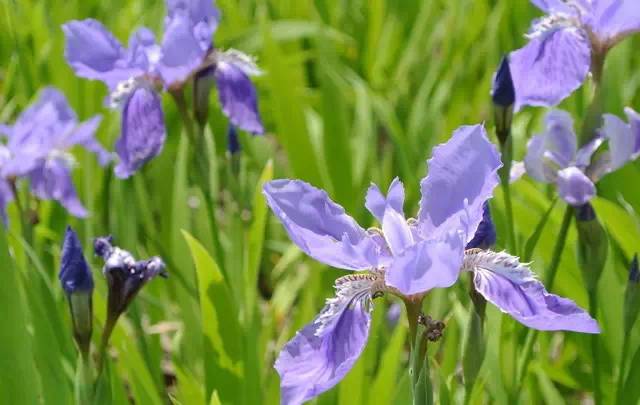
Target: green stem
(551,272)
(418,344)
(505,173)
(203,169)
(550,276)
(594,113)
(595,363)
(104,342)
(622,367)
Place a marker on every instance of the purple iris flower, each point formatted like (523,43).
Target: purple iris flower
(38,145)
(135,75)
(553,156)
(406,257)
(565,44)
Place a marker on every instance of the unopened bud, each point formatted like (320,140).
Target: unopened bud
(503,97)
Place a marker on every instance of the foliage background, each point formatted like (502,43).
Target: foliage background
(354,91)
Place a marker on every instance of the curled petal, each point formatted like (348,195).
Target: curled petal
(94,53)
(574,186)
(143,131)
(52,181)
(512,287)
(238,96)
(324,351)
(320,227)
(181,51)
(462,176)
(622,141)
(427,264)
(550,67)
(377,203)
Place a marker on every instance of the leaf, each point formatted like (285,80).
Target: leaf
(385,380)
(532,241)
(223,355)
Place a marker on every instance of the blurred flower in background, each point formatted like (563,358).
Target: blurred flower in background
(136,75)
(38,149)
(568,43)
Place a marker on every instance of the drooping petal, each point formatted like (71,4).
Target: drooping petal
(615,19)
(52,181)
(462,176)
(427,264)
(622,141)
(181,51)
(238,96)
(377,203)
(94,53)
(320,227)
(143,131)
(75,274)
(550,67)
(512,287)
(324,351)
(574,186)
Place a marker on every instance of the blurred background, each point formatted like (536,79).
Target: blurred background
(353,92)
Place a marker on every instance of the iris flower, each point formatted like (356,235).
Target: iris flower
(553,156)
(571,40)
(406,257)
(38,145)
(135,75)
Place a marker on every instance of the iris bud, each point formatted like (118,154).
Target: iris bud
(77,282)
(593,245)
(503,96)
(632,296)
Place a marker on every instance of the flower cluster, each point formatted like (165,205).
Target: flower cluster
(136,75)
(38,148)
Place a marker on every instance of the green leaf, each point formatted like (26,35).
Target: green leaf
(532,241)
(223,355)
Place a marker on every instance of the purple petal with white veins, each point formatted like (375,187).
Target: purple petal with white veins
(427,264)
(181,51)
(238,97)
(523,297)
(615,19)
(324,351)
(52,181)
(320,227)
(143,131)
(94,53)
(377,203)
(550,67)
(462,176)
(574,186)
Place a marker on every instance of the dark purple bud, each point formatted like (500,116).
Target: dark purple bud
(503,93)
(77,282)
(75,274)
(634,273)
(585,213)
(485,236)
(233,145)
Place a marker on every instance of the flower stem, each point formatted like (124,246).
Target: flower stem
(505,171)
(550,276)
(594,112)
(595,363)
(418,352)
(203,169)
(621,368)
